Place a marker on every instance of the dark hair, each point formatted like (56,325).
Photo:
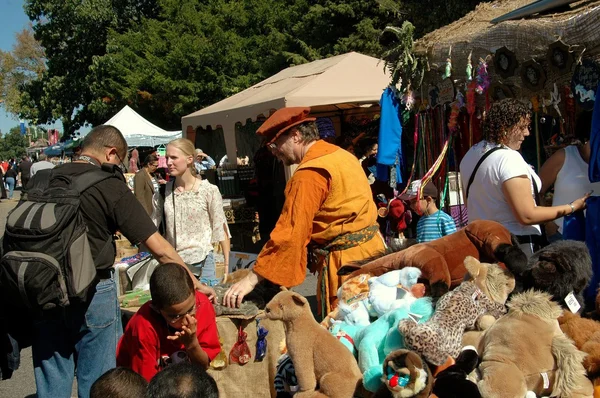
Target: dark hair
(150,159)
(104,136)
(503,116)
(170,284)
(182,380)
(363,146)
(308,132)
(583,126)
(119,383)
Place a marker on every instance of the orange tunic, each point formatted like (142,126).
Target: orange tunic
(327,196)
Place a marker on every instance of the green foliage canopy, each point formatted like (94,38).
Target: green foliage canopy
(167,58)
(13,144)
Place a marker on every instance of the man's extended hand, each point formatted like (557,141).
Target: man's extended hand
(236,293)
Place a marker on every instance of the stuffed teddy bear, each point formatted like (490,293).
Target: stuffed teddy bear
(441,260)
(406,375)
(363,297)
(452,382)
(393,290)
(382,337)
(458,310)
(319,359)
(353,301)
(585,333)
(525,352)
(561,268)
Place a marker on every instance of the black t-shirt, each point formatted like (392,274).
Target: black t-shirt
(107,207)
(25,168)
(10,173)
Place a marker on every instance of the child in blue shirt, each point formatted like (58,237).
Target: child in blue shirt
(433,223)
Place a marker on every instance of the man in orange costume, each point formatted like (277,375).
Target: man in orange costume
(328,208)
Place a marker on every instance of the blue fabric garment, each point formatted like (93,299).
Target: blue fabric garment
(594,168)
(574,226)
(389,152)
(592,241)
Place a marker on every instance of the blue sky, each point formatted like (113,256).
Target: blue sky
(13,20)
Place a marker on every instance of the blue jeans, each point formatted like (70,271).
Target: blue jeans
(10,181)
(84,339)
(206,270)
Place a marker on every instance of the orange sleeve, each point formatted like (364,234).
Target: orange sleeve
(283,258)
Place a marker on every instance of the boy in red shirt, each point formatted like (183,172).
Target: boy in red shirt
(179,324)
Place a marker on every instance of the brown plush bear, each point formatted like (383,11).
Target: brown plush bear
(441,260)
(585,333)
(319,358)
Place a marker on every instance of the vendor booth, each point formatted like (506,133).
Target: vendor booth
(344,90)
(331,87)
(138,131)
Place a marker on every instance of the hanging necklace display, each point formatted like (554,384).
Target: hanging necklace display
(500,91)
(533,75)
(559,57)
(471,86)
(535,107)
(483,81)
(505,62)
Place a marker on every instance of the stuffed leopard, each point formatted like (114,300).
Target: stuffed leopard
(457,311)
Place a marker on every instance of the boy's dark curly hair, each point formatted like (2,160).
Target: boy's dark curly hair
(503,116)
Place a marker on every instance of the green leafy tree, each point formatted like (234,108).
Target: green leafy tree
(24,64)
(13,144)
(192,55)
(72,34)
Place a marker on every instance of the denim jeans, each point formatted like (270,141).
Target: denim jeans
(206,270)
(10,181)
(84,339)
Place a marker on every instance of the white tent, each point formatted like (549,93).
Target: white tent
(138,131)
(338,83)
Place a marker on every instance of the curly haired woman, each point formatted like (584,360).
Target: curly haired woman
(504,187)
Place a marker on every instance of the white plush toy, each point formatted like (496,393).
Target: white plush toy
(386,292)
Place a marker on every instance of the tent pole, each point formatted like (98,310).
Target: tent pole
(230,142)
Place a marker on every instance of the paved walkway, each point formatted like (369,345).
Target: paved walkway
(22,383)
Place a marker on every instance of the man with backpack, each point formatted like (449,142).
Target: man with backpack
(78,206)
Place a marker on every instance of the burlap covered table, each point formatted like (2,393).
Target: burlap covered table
(255,379)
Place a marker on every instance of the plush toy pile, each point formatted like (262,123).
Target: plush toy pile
(464,316)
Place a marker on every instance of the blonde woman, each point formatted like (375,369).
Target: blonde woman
(194,213)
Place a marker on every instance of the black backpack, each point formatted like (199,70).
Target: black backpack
(46,257)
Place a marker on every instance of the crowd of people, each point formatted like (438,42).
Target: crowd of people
(328,219)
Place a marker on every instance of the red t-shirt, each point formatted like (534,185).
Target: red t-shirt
(145,348)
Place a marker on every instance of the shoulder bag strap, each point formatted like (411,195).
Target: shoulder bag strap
(174,220)
(538,201)
(484,157)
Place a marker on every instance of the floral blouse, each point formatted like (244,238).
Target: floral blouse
(200,220)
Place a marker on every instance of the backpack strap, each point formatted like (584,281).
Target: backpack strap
(86,180)
(484,157)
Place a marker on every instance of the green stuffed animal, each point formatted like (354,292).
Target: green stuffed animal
(381,337)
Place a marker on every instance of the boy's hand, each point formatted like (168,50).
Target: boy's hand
(187,334)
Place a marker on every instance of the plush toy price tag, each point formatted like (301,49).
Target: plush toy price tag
(572,303)
(414,317)
(546,380)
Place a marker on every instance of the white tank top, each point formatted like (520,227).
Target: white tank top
(572,181)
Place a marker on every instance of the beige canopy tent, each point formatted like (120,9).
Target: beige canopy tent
(338,83)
